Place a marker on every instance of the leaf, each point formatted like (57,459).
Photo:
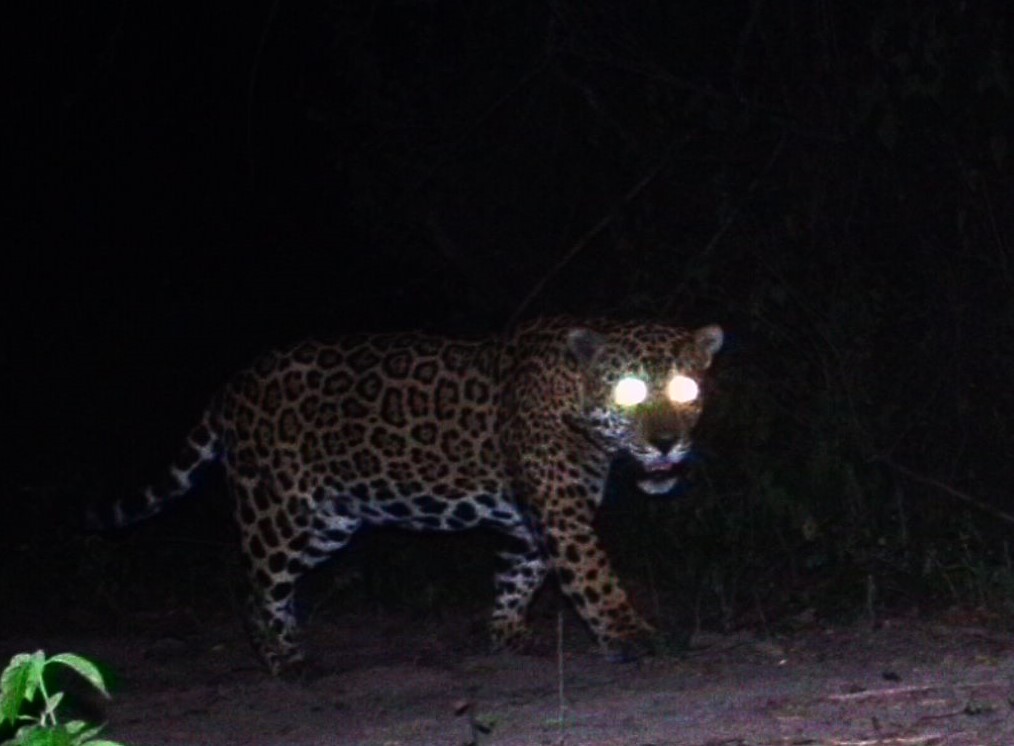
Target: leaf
(82,732)
(49,711)
(19,682)
(77,728)
(84,667)
(36,735)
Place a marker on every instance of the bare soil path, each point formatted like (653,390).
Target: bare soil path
(391,682)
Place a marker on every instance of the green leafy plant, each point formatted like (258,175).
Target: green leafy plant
(22,680)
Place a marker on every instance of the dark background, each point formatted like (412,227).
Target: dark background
(194,182)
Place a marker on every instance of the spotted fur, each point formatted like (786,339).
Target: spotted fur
(433,433)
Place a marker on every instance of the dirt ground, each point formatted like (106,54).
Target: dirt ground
(394,682)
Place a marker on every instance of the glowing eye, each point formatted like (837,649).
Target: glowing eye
(630,391)
(682,389)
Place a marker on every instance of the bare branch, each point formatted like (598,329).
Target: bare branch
(946,488)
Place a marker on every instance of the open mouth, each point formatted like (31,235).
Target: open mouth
(658,477)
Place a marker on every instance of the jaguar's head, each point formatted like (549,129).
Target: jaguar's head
(643,393)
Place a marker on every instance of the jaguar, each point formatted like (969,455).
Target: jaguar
(513,432)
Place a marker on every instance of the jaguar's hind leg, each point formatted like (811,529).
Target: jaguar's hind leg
(279,546)
(523,570)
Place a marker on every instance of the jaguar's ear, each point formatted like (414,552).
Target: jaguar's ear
(708,341)
(585,345)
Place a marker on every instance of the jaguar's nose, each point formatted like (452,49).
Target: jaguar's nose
(664,444)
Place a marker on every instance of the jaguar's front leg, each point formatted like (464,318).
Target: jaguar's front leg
(587,578)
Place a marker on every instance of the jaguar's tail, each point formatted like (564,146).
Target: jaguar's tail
(202,447)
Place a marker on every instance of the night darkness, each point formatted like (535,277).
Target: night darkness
(831,182)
